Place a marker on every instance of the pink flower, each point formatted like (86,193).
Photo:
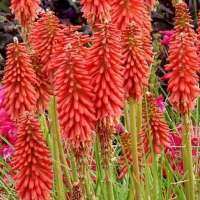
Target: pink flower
(7,152)
(7,131)
(160,103)
(119,128)
(167,36)
(174,152)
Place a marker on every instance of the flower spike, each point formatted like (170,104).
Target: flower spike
(31,161)
(43,38)
(25,11)
(74,97)
(126,11)
(136,68)
(19,81)
(96,11)
(155,130)
(105,66)
(183,64)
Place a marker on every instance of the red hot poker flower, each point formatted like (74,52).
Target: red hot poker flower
(105,66)
(42,87)
(74,97)
(183,64)
(155,129)
(31,161)
(136,68)
(96,11)
(18,81)
(25,11)
(43,39)
(126,11)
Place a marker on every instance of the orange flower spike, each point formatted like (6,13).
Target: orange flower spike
(183,21)
(126,158)
(77,39)
(31,161)
(159,128)
(74,97)
(43,39)
(136,68)
(105,66)
(183,64)
(19,81)
(42,87)
(25,11)
(126,11)
(96,11)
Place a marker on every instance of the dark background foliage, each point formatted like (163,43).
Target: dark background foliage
(69,13)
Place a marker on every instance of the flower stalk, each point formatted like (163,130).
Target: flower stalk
(56,152)
(134,146)
(108,177)
(187,158)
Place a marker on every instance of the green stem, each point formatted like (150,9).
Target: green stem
(74,168)
(108,180)
(187,158)
(126,116)
(155,178)
(88,185)
(139,116)
(134,147)
(98,160)
(60,146)
(57,164)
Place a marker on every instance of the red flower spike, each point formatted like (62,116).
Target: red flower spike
(136,68)
(25,11)
(77,40)
(96,11)
(31,161)
(19,81)
(105,66)
(184,22)
(183,64)
(43,87)
(126,11)
(74,97)
(126,158)
(43,39)
(159,131)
